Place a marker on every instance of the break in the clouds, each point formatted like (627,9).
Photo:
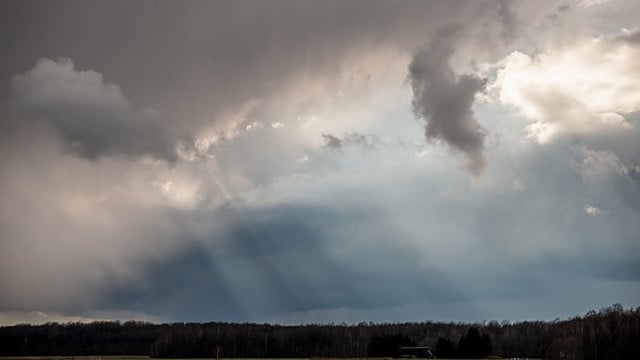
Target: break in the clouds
(298,161)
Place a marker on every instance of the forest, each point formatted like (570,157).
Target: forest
(610,333)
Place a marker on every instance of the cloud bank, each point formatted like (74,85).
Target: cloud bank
(93,117)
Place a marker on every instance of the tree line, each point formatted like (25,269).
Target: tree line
(611,333)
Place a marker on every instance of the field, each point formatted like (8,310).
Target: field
(148,358)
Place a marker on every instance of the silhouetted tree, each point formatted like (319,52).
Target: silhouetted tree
(388,345)
(472,345)
(445,349)
(611,333)
(485,345)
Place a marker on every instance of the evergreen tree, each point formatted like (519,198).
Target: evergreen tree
(445,349)
(473,345)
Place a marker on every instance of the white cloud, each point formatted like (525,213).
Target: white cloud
(574,91)
(602,163)
(592,210)
(590,3)
(252,126)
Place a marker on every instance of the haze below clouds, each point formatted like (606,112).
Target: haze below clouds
(311,161)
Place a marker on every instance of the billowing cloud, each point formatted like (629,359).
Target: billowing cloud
(72,227)
(93,117)
(577,91)
(585,93)
(445,99)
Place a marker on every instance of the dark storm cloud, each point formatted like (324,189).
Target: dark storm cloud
(92,116)
(188,286)
(445,99)
(280,259)
(197,62)
(287,259)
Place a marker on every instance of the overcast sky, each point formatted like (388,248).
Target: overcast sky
(318,161)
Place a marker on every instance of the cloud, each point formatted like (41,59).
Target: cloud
(589,3)
(353,138)
(577,91)
(8,318)
(592,210)
(71,228)
(344,246)
(331,141)
(255,219)
(629,37)
(445,100)
(279,47)
(603,163)
(92,117)
(586,94)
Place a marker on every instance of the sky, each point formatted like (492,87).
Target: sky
(318,161)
